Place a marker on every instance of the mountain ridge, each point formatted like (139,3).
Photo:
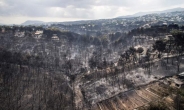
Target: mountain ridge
(37,22)
(33,22)
(152,12)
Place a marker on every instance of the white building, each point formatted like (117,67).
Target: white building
(38,34)
(55,37)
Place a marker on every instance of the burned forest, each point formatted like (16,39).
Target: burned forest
(93,65)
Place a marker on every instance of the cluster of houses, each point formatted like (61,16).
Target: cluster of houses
(146,43)
(37,35)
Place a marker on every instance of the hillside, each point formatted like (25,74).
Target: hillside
(53,67)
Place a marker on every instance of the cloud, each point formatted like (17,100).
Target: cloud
(59,8)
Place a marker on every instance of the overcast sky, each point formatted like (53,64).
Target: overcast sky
(18,11)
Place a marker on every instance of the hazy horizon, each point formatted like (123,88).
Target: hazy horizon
(17,11)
